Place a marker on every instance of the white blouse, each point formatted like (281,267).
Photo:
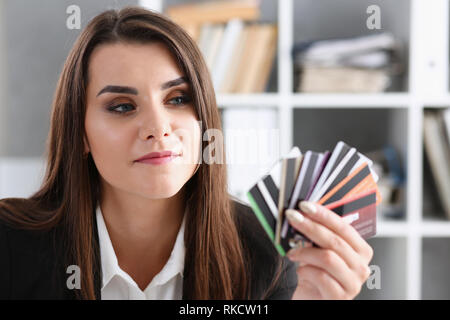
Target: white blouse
(118,285)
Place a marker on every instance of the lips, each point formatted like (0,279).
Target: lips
(155,155)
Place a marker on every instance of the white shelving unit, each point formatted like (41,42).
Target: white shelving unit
(428,87)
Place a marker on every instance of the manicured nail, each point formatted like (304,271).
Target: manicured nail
(290,253)
(308,207)
(294,216)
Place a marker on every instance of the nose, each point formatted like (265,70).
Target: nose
(155,124)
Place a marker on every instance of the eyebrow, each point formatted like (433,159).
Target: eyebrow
(131,90)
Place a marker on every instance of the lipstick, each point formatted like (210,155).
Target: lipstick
(158,158)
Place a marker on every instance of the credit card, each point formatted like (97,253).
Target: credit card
(359,210)
(342,181)
(358,181)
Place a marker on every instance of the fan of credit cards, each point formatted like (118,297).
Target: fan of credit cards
(342,181)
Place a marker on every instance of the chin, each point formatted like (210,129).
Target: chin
(161,192)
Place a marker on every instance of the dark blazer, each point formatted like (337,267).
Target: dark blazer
(29,267)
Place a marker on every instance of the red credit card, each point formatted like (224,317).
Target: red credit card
(360,211)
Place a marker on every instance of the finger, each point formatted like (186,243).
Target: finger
(328,287)
(306,291)
(338,225)
(331,262)
(326,239)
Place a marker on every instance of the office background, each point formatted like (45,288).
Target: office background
(412,247)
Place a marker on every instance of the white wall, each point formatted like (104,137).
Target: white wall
(156,5)
(32,53)
(20,177)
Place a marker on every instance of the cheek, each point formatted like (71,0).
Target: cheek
(169,179)
(108,142)
(189,134)
(111,145)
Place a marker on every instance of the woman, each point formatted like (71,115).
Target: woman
(110,223)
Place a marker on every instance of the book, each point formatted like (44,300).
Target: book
(438,153)
(446,118)
(246,56)
(332,52)
(231,35)
(215,38)
(366,64)
(317,79)
(267,61)
(214,11)
(257,59)
(231,75)
(238,50)
(205,38)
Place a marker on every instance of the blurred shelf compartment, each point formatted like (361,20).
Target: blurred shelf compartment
(379,133)
(390,258)
(347,22)
(435,266)
(365,129)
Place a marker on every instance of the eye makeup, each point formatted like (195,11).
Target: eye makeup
(114,109)
(184,96)
(129,107)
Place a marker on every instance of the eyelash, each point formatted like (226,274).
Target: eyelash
(186,100)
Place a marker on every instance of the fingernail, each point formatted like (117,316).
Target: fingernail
(294,215)
(308,207)
(290,252)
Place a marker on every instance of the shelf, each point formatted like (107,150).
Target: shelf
(435,229)
(424,229)
(259,100)
(330,100)
(388,229)
(437,101)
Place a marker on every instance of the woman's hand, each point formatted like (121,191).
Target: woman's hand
(337,269)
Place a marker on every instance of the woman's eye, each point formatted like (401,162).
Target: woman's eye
(121,108)
(181,100)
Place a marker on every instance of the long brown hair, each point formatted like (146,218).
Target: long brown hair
(69,194)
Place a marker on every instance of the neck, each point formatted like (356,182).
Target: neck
(142,231)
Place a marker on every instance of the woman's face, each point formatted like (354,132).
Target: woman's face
(132,110)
